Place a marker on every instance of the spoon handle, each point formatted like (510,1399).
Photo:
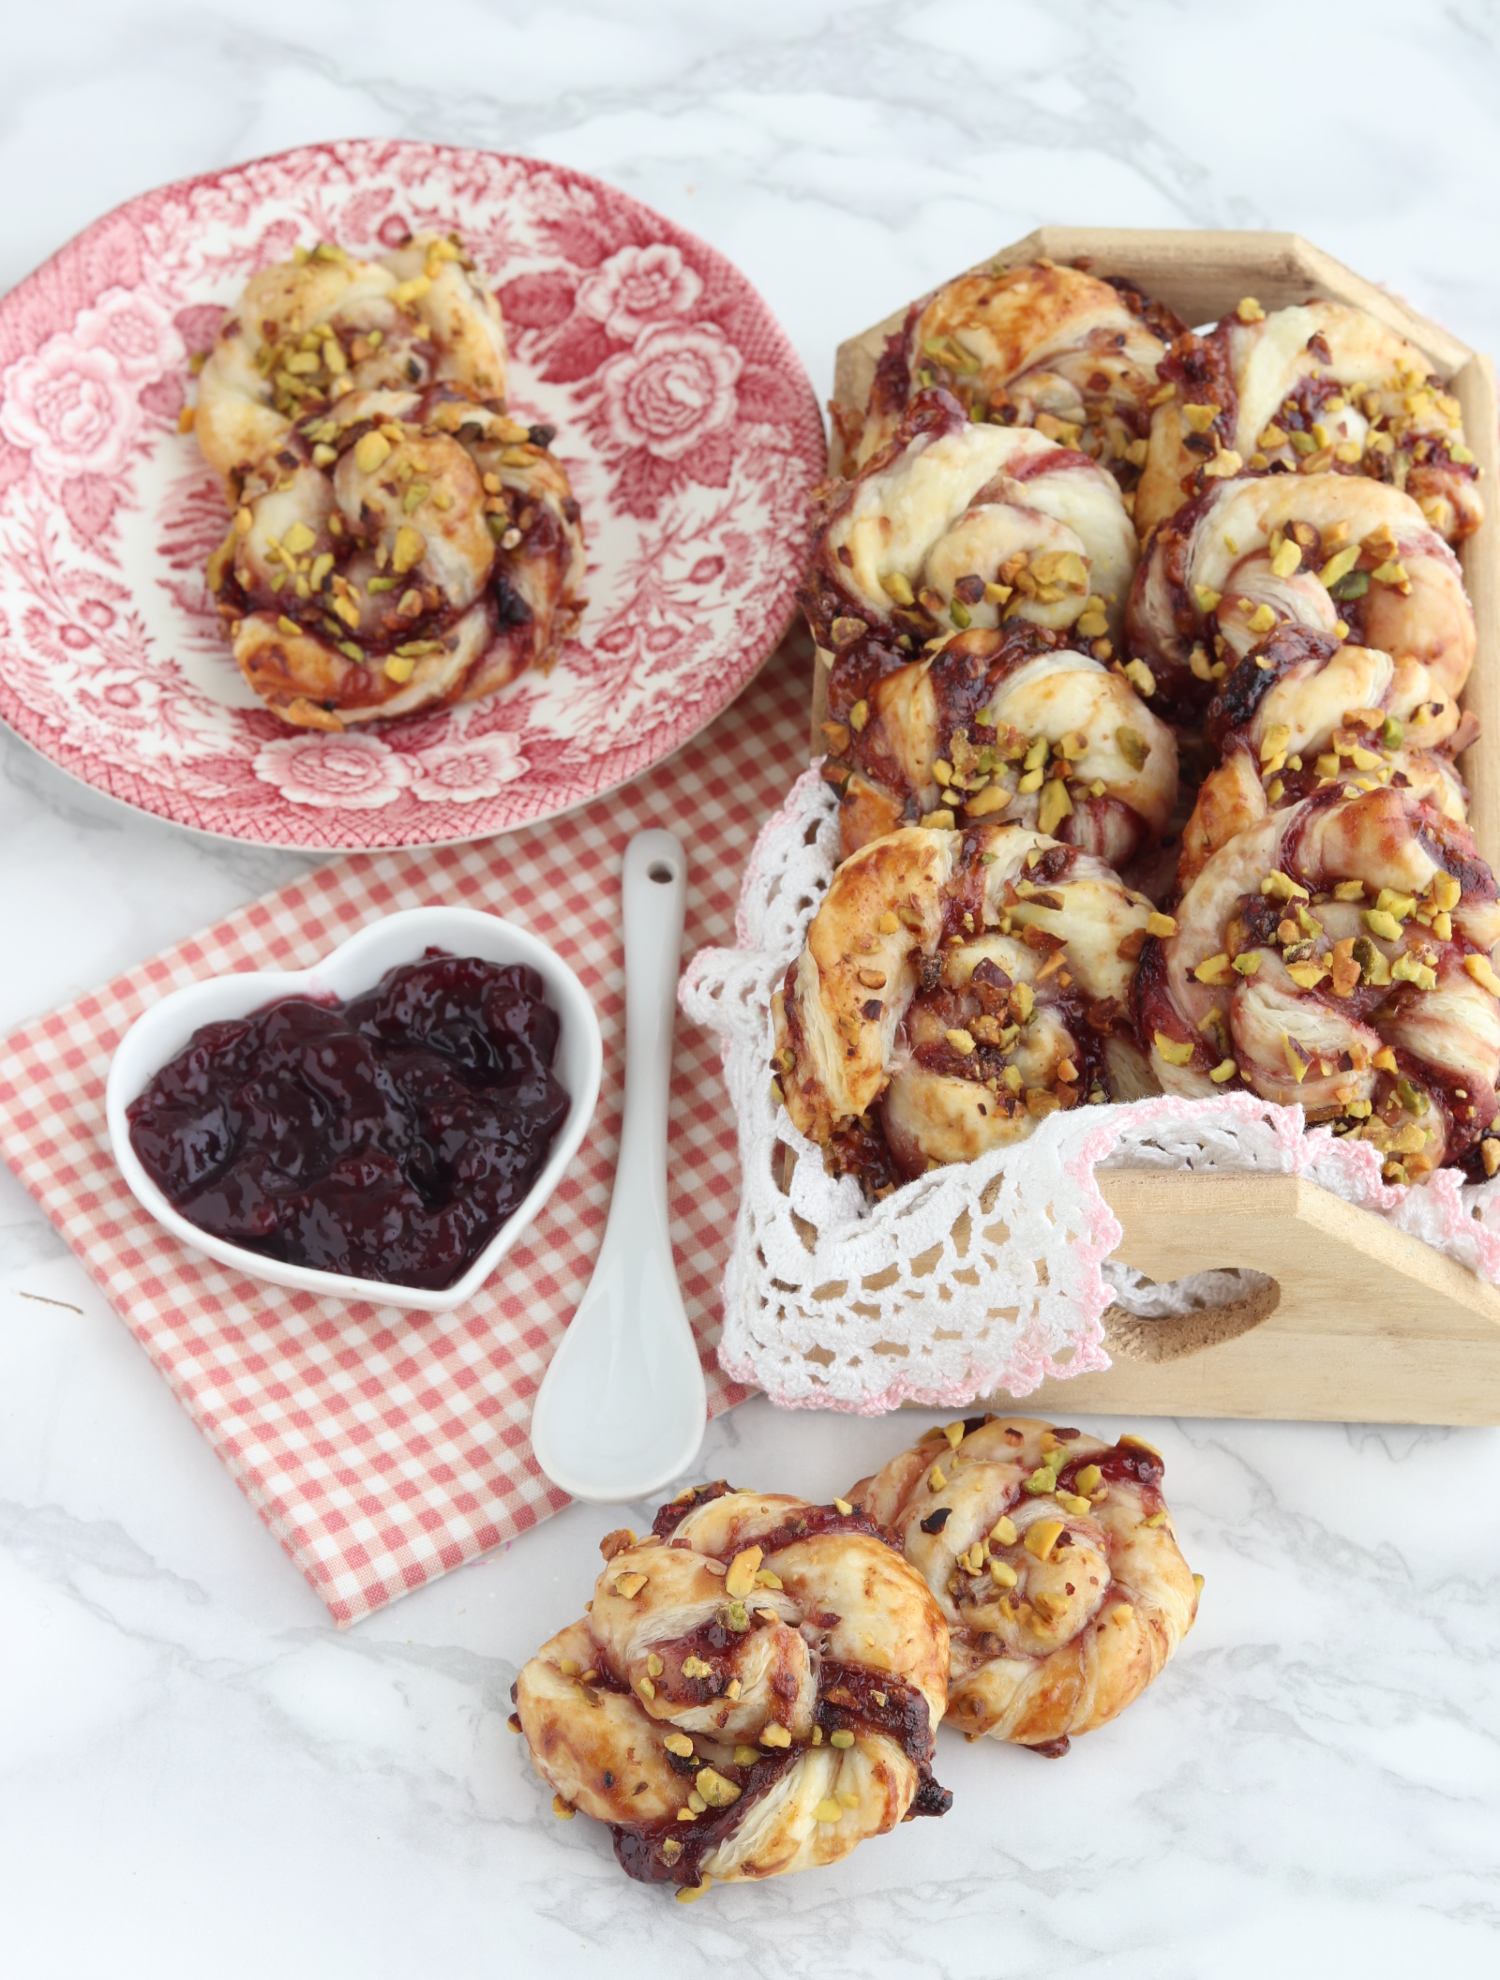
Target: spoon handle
(653,889)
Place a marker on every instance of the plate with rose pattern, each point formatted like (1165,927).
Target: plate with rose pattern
(686,423)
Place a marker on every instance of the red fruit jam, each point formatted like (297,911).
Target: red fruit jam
(388,1138)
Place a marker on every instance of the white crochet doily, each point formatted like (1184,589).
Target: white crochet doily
(986,1275)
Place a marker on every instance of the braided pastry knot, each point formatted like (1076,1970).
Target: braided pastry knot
(1345,557)
(1054,1560)
(1338,956)
(754,1690)
(955,988)
(953,525)
(1303,711)
(1008,720)
(1320,386)
(1039,346)
(398,550)
(305,333)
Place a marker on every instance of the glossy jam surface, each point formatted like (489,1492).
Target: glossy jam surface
(388,1138)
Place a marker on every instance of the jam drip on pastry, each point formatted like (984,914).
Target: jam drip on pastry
(1055,1561)
(754,1690)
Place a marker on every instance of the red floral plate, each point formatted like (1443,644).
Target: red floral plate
(685,420)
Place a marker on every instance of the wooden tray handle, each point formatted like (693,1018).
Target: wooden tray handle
(1173,1336)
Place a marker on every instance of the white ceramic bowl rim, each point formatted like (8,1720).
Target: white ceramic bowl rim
(349,970)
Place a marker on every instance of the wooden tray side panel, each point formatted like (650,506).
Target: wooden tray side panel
(1373,1326)
(1474,388)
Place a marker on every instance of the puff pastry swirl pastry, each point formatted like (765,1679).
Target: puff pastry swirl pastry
(1338,956)
(954,526)
(754,1690)
(1055,1561)
(1321,386)
(397,551)
(1006,722)
(954,989)
(1302,711)
(1351,558)
(1036,346)
(307,332)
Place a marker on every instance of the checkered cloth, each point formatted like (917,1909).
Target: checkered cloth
(384,1448)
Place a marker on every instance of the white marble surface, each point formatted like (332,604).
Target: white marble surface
(197,1773)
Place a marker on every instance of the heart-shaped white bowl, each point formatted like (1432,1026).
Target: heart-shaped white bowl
(354,967)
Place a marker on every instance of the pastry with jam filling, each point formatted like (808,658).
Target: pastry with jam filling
(398,550)
(955,988)
(1321,387)
(754,1690)
(1040,346)
(1055,1562)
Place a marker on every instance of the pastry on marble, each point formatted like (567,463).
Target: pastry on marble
(307,332)
(1055,1561)
(1348,557)
(1036,346)
(953,525)
(754,1689)
(1338,956)
(398,550)
(1002,723)
(1302,711)
(1320,387)
(954,989)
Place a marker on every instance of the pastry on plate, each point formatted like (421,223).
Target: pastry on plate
(1055,1562)
(1302,711)
(952,526)
(1035,346)
(753,1689)
(1007,723)
(1339,554)
(1320,387)
(955,988)
(307,332)
(1338,956)
(398,550)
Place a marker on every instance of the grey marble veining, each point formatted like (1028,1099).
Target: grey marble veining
(197,1773)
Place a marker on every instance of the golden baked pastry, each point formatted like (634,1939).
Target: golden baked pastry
(1035,346)
(1320,387)
(1302,711)
(1055,1561)
(953,525)
(900,1047)
(1338,956)
(754,1690)
(1341,555)
(307,332)
(1007,721)
(397,551)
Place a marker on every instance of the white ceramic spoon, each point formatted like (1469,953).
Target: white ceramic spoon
(622,1408)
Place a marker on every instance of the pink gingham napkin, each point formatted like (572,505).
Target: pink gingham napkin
(383,1448)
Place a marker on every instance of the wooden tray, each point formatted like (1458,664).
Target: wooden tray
(1358,1322)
